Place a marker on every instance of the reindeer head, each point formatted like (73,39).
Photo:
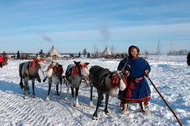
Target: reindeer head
(118,80)
(38,62)
(83,68)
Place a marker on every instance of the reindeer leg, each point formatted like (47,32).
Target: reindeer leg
(106,106)
(21,83)
(67,97)
(20,74)
(38,78)
(33,86)
(61,83)
(26,89)
(101,101)
(72,93)
(58,90)
(91,93)
(49,88)
(76,97)
(59,86)
(95,115)
(61,80)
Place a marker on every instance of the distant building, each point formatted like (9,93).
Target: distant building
(106,52)
(53,53)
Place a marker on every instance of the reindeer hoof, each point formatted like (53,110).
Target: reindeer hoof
(106,112)
(21,86)
(66,98)
(144,112)
(33,96)
(39,80)
(101,105)
(25,97)
(95,118)
(47,99)
(76,105)
(125,112)
(58,97)
(91,105)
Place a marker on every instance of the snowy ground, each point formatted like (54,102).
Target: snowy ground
(170,74)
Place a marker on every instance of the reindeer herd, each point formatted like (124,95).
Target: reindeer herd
(105,81)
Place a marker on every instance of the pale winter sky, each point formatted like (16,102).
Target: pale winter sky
(72,25)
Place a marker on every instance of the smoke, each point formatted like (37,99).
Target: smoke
(105,34)
(47,38)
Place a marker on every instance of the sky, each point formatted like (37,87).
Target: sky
(72,25)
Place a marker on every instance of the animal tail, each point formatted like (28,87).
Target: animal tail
(20,69)
(21,83)
(20,74)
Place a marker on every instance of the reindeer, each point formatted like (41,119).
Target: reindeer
(106,82)
(74,75)
(3,60)
(54,75)
(29,71)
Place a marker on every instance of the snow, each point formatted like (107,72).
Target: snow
(170,74)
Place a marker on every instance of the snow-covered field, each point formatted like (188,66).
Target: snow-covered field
(171,75)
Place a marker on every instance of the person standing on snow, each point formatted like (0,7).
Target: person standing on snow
(188,59)
(138,90)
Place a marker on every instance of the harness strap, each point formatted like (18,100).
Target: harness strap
(75,70)
(114,81)
(32,64)
(58,70)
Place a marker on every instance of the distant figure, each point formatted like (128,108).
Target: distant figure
(41,53)
(88,55)
(4,54)
(18,55)
(188,59)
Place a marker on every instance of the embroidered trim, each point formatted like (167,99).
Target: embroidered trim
(136,100)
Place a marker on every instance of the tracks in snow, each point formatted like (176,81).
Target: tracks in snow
(34,111)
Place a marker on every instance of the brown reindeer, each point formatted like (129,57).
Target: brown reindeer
(106,82)
(29,71)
